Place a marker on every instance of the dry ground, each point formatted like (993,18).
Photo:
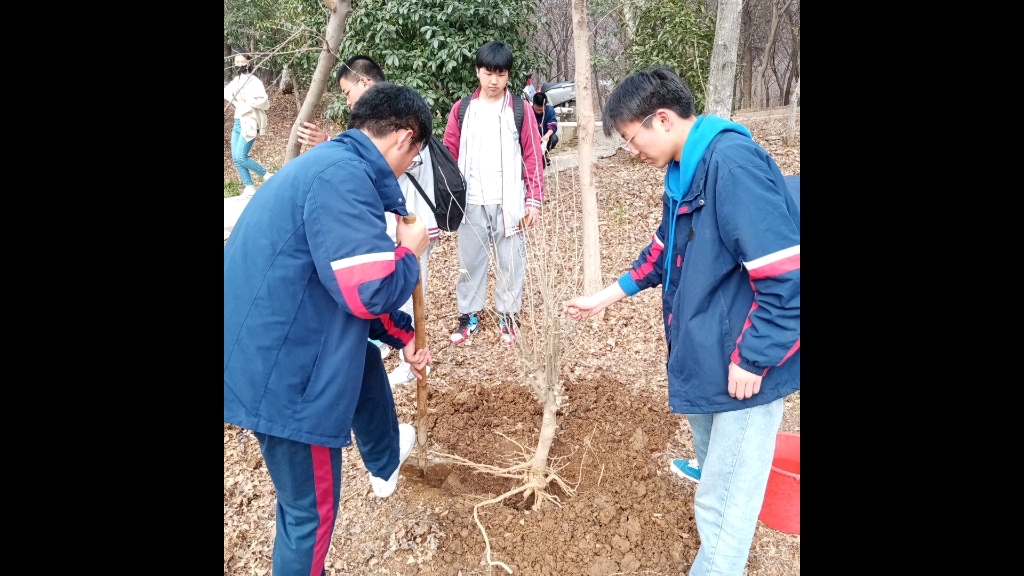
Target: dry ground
(630,515)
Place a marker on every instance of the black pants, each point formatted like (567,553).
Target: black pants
(552,141)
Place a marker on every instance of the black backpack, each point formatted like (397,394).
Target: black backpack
(449,203)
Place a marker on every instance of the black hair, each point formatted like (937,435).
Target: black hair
(540,99)
(643,92)
(495,57)
(358,67)
(387,107)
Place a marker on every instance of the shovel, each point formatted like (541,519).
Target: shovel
(421,383)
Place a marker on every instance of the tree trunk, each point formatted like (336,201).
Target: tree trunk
(228,63)
(597,81)
(722,77)
(340,9)
(548,427)
(287,83)
(629,23)
(778,81)
(585,148)
(769,47)
(746,59)
(794,57)
(792,133)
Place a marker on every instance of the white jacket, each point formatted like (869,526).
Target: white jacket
(247,94)
(424,175)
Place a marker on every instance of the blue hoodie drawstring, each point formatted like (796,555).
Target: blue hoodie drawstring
(671,240)
(701,134)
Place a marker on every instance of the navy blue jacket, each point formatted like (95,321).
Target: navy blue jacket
(547,121)
(727,252)
(309,274)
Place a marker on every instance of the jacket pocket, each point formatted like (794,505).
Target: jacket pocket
(312,371)
(250,128)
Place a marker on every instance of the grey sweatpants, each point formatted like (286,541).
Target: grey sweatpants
(481,230)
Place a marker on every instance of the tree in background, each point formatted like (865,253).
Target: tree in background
(722,77)
(322,75)
(278,33)
(676,33)
(770,40)
(430,45)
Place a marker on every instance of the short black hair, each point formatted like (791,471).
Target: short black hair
(643,92)
(540,99)
(387,107)
(359,66)
(495,57)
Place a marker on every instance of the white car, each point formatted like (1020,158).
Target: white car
(560,94)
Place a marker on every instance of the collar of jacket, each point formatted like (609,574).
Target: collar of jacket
(679,175)
(506,95)
(384,179)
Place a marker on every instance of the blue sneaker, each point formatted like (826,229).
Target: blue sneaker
(468,325)
(686,469)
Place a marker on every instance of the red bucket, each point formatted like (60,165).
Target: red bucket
(781,508)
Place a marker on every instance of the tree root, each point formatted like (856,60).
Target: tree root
(533,484)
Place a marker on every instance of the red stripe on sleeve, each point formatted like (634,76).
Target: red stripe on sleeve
(652,257)
(776,268)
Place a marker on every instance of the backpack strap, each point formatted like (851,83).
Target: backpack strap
(422,193)
(518,104)
(462,109)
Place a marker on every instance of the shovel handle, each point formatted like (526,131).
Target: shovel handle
(418,314)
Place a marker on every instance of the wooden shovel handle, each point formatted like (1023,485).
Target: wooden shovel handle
(418,314)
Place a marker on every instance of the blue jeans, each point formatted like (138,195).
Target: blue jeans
(734,452)
(240,154)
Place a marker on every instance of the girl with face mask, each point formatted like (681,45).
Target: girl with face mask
(249,97)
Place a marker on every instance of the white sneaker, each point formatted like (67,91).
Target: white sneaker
(267,175)
(385,350)
(248,192)
(403,375)
(406,440)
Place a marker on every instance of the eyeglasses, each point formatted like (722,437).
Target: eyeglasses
(625,146)
(416,162)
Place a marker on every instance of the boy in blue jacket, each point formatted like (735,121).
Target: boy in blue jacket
(727,255)
(309,275)
(547,123)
